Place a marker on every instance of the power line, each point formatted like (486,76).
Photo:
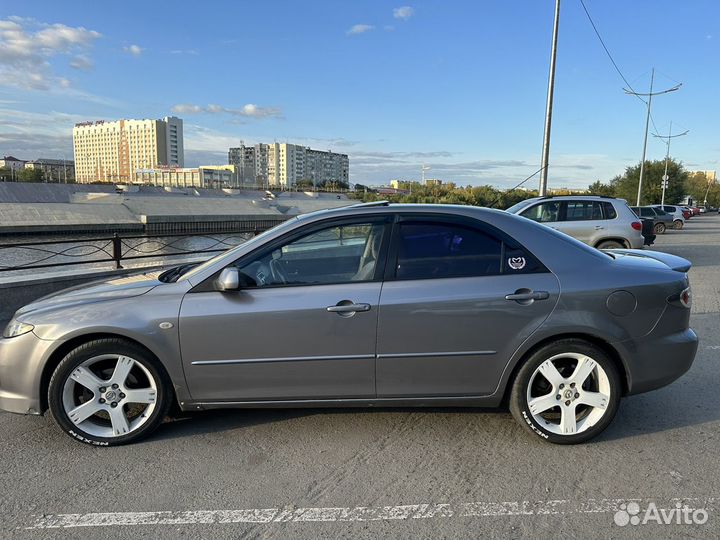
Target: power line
(517,186)
(607,51)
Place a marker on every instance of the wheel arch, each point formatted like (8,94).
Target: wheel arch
(65,347)
(605,346)
(619,239)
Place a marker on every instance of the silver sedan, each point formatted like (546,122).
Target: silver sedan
(369,305)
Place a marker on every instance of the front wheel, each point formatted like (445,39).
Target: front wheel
(567,392)
(109,392)
(659,228)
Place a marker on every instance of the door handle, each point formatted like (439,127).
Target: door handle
(599,227)
(348,308)
(527,295)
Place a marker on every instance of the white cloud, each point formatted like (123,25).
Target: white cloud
(404,12)
(135,50)
(359,29)
(191,52)
(249,110)
(82,62)
(27,48)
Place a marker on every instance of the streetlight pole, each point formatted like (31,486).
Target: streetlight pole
(669,138)
(548,106)
(647,123)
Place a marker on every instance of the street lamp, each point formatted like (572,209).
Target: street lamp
(647,122)
(669,138)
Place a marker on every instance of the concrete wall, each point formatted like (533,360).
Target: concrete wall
(21,291)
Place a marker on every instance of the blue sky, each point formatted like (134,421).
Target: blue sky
(459,85)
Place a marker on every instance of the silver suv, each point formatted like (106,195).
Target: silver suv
(601,222)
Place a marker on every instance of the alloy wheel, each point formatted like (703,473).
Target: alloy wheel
(109,395)
(568,393)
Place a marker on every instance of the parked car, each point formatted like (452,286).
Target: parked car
(687,213)
(648,231)
(695,210)
(662,219)
(676,213)
(601,222)
(368,305)
(702,209)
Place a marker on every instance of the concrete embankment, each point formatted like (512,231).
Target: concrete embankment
(17,292)
(52,208)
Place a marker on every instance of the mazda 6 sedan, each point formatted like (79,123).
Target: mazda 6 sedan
(367,305)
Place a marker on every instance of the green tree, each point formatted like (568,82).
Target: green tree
(698,185)
(29,175)
(598,188)
(625,185)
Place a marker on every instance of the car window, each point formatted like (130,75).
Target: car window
(335,254)
(582,210)
(670,209)
(439,250)
(544,212)
(608,210)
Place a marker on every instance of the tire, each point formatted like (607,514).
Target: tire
(568,420)
(659,228)
(610,244)
(97,384)
(678,224)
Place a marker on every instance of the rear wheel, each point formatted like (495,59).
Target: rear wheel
(567,392)
(678,224)
(109,392)
(659,228)
(610,244)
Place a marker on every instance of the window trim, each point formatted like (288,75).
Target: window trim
(208,284)
(464,221)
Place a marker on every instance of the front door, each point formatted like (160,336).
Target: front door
(447,326)
(303,326)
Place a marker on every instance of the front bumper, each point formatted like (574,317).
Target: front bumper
(21,363)
(655,362)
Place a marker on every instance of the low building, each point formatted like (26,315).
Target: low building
(12,163)
(433,182)
(205,176)
(54,170)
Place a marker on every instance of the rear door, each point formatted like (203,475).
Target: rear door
(448,320)
(583,220)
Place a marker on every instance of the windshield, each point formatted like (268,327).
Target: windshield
(516,208)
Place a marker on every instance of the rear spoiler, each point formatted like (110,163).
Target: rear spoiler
(671,261)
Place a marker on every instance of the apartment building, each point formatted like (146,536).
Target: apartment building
(111,151)
(284,165)
(243,158)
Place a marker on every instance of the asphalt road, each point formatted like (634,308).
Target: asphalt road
(413,473)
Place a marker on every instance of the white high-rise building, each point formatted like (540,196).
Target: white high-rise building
(113,151)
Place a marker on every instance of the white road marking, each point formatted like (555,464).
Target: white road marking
(349,514)
(713,347)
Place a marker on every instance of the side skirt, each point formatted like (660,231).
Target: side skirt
(492,401)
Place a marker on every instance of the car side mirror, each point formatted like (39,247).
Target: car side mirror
(231,279)
(228,280)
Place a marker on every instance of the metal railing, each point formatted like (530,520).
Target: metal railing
(118,248)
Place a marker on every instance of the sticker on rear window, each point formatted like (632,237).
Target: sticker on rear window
(516,263)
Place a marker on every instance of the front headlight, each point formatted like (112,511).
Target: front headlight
(17,328)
